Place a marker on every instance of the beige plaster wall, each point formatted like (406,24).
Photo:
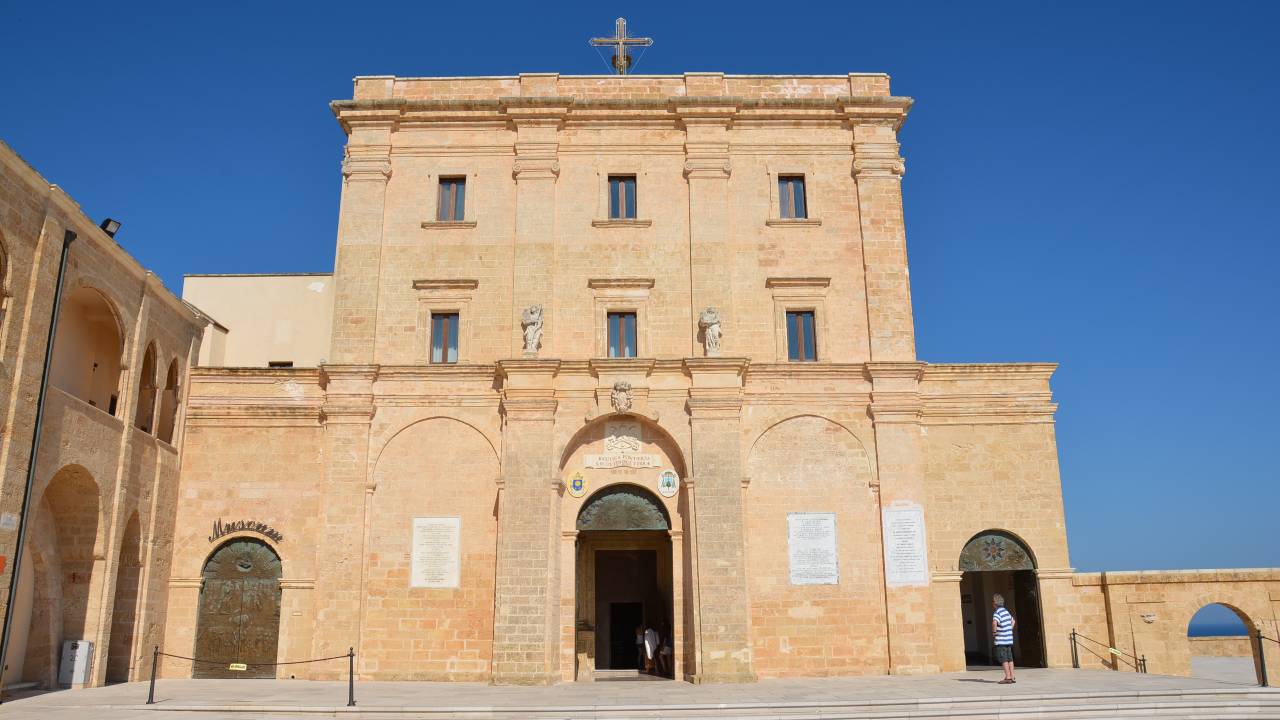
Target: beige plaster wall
(263,318)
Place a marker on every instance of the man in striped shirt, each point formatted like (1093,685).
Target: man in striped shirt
(1002,625)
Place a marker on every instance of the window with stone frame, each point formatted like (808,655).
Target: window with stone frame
(622,335)
(802,342)
(622,197)
(791,197)
(444,337)
(451,203)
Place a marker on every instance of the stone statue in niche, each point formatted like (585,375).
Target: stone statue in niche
(531,320)
(621,396)
(709,321)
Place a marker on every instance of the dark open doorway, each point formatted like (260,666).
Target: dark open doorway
(624,618)
(997,563)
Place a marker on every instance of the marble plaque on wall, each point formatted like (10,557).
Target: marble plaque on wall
(811,547)
(905,561)
(622,446)
(435,552)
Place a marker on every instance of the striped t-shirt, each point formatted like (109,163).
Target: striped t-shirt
(1004,627)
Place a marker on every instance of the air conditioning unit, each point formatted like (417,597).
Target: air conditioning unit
(76,667)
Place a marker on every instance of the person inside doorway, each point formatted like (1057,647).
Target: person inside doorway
(639,647)
(665,655)
(1002,625)
(650,649)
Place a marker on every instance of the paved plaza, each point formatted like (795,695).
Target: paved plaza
(971,694)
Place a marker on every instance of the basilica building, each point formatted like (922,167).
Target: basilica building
(598,353)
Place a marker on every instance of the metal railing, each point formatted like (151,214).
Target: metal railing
(1138,663)
(1262,655)
(350,656)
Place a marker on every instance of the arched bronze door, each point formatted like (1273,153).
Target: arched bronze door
(239,619)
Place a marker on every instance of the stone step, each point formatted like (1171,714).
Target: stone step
(1219,704)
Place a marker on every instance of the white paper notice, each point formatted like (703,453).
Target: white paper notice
(905,560)
(811,544)
(435,552)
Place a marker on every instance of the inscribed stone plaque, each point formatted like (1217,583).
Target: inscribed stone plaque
(435,552)
(622,446)
(905,561)
(811,545)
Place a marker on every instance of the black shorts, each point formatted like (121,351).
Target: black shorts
(1004,653)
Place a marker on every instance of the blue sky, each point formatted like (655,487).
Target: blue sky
(1088,183)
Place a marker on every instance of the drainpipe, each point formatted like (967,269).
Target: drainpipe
(67,238)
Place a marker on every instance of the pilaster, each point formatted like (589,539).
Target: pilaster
(537,122)
(706,123)
(347,412)
(365,172)
(900,459)
(526,626)
(878,170)
(715,409)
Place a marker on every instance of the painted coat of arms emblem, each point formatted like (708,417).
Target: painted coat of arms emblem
(668,483)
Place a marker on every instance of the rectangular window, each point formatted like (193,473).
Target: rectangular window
(802,344)
(279,363)
(444,337)
(453,192)
(791,197)
(622,197)
(622,334)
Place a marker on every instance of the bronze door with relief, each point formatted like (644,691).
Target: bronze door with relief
(239,617)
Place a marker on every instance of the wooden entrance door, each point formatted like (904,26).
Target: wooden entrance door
(239,618)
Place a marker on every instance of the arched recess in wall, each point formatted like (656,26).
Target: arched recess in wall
(144,415)
(435,483)
(168,404)
(87,349)
(64,543)
(810,477)
(998,562)
(124,611)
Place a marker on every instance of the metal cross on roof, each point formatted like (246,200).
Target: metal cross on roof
(620,42)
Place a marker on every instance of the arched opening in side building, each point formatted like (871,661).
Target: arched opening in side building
(995,562)
(1221,645)
(87,350)
(239,615)
(624,563)
(144,414)
(168,404)
(121,658)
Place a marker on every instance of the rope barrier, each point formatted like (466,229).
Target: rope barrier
(350,656)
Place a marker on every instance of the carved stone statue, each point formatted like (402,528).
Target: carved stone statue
(621,396)
(709,321)
(531,320)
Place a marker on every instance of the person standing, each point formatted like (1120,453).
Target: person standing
(650,649)
(1002,625)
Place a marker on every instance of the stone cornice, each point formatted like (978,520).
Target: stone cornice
(445,284)
(625,283)
(621,366)
(443,372)
(723,365)
(791,283)
(989,371)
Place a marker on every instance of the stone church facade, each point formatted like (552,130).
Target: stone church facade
(608,352)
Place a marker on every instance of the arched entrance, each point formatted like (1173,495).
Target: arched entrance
(996,562)
(624,560)
(624,572)
(239,616)
(124,611)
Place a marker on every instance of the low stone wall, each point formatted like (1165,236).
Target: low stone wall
(1221,646)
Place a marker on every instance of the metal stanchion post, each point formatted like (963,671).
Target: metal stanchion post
(1075,652)
(155,662)
(351,677)
(1142,662)
(1262,658)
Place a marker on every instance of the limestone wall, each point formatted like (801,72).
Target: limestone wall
(99,563)
(1227,646)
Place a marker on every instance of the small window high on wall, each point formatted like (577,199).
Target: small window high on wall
(791,201)
(452,202)
(444,337)
(622,197)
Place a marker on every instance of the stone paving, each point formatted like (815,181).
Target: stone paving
(226,699)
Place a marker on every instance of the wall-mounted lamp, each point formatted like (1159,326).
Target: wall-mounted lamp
(110,227)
